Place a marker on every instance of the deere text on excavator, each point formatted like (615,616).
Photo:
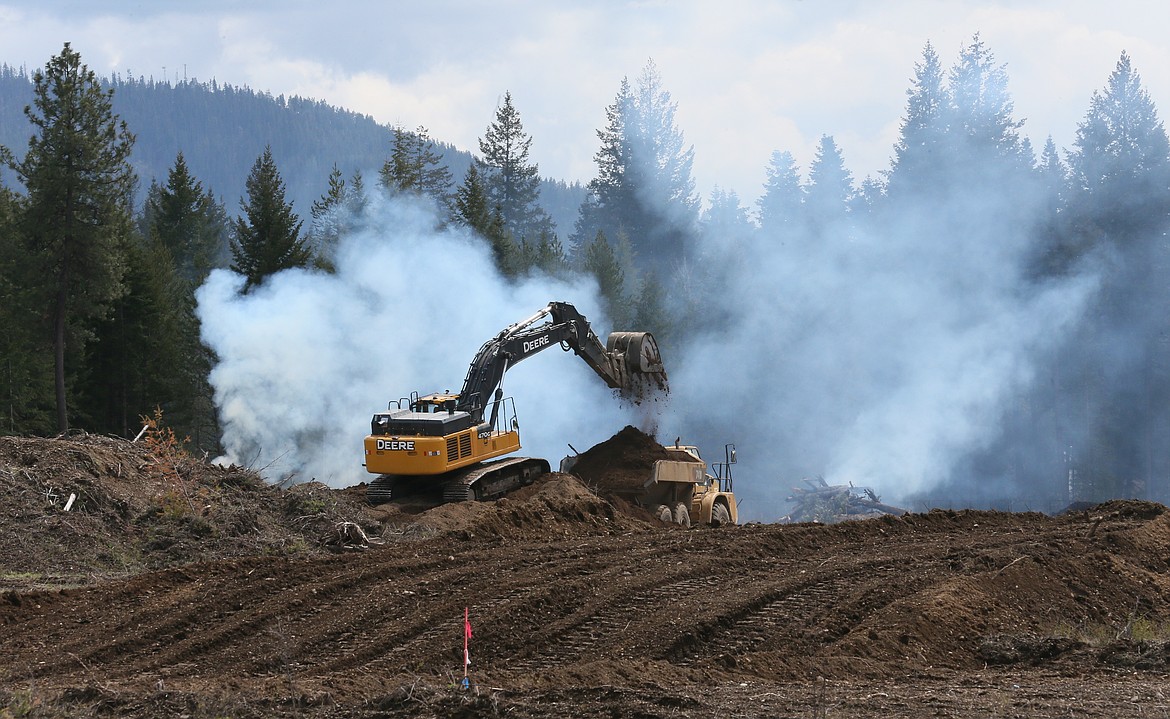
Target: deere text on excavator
(451,442)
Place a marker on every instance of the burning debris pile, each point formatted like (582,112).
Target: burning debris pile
(830,503)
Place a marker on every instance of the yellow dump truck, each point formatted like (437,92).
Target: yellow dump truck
(682,488)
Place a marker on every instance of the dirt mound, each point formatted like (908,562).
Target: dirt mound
(621,464)
(555,506)
(90,506)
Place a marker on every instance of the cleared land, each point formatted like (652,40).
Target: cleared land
(176,588)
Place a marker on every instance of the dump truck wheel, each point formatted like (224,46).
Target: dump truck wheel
(662,513)
(682,515)
(719,515)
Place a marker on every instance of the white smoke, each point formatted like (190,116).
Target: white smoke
(307,358)
(876,361)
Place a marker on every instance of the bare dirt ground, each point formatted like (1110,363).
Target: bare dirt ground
(180,589)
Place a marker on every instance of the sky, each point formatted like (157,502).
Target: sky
(749,76)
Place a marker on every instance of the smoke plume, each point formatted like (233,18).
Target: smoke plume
(307,358)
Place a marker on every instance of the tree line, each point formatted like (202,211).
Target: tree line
(98,298)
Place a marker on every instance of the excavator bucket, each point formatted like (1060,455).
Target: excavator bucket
(639,349)
(638,353)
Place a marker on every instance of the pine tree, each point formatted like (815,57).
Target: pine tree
(416,167)
(780,208)
(651,313)
(921,142)
(355,198)
(1120,162)
(471,202)
(184,237)
(473,211)
(268,233)
(512,183)
(601,262)
(79,183)
(188,222)
(643,187)
(135,361)
(609,199)
(987,152)
(1119,198)
(1058,251)
(662,159)
(26,383)
(981,108)
(547,255)
(726,221)
(830,187)
(329,221)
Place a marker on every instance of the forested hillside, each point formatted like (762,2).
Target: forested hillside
(221,130)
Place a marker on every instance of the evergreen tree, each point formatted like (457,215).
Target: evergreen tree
(643,187)
(26,382)
(136,360)
(547,255)
(155,329)
(1057,251)
(869,194)
(1120,162)
(471,202)
(830,186)
(188,223)
(959,144)
(609,197)
(980,104)
(651,312)
(329,221)
(355,198)
(601,262)
(416,167)
(79,183)
(987,151)
(1119,198)
(473,211)
(511,181)
(663,164)
(780,208)
(726,220)
(922,139)
(268,233)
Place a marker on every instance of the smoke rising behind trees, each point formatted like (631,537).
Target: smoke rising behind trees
(982,324)
(976,326)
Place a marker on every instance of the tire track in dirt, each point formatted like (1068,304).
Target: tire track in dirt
(548,581)
(169,620)
(774,612)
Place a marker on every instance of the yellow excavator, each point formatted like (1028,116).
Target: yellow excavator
(451,442)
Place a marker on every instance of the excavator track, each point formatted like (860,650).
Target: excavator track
(381,490)
(492,480)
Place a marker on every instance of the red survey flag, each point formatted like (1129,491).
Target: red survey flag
(466,639)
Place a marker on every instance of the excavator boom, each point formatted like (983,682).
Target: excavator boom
(623,363)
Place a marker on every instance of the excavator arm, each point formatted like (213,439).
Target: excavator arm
(625,362)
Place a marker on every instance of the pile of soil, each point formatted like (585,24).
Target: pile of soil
(555,506)
(91,507)
(622,464)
